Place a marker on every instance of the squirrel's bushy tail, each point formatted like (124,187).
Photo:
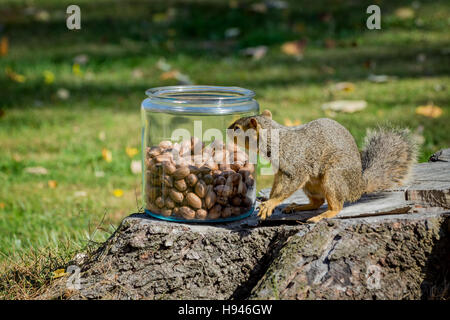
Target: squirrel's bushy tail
(387,158)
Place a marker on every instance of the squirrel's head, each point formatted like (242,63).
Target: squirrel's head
(245,131)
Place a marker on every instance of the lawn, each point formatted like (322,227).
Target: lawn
(69,100)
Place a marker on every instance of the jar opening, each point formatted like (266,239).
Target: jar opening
(200,100)
(201,94)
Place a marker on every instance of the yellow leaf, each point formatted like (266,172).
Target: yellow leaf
(118,193)
(131,152)
(289,123)
(52,184)
(169,75)
(49,77)
(2,205)
(107,155)
(429,110)
(59,273)
(76,69)
(15,76)
(293,48)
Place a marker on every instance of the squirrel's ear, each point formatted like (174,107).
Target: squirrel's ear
(253,123)
(266,113)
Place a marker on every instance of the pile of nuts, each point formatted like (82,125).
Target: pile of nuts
(190,181)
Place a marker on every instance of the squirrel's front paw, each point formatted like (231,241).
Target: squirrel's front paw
(265,209)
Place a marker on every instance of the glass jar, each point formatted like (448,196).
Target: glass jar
(191,171)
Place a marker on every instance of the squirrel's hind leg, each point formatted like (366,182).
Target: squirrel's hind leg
(283,187)
(334,207)
(314,204)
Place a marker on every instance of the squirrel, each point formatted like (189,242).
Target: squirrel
(322,157)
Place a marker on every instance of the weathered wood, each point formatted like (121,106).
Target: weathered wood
(406,243)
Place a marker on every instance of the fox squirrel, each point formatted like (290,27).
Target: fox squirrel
(321,157)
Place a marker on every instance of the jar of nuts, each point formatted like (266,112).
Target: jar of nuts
(191,171)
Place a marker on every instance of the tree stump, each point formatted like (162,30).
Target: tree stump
(389,245)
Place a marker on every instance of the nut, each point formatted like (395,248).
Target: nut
(186,183)
(169,167)
(166,212)
(169,203)
(210,199)
(180,185)
(181,173)
(208,178)
(165,144)
(167,181)
(176,196)
(193,200)
(200,189)
(236,201)
(215,212)
(220,180)
(191,179)
(154,151)
(159,202)
(201,214)
(226,213)
(187,213)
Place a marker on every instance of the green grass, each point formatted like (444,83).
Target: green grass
(67,136)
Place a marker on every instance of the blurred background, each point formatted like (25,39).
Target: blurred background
(69,100)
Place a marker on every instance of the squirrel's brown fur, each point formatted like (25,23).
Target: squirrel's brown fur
(322,158)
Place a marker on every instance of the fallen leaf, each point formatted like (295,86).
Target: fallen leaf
(52,184)
(381,78)
(136,166)
(277,4)
(102,135)
(80,194)
(63,94)
(107,155)
(404,13)
(344,86)
(59,273)
(348,106)
(137,74)
(131,152)
(49,77)
(232,32)
(259,7)
(429,110)
(42,15)
(118,193)
(15,76)
(81,59)
(289,123)
(163,65)
(99,174)
(294,48)
(169,75)
(76,69)
(4,46)
(256,53)
(36,170)
(2,205)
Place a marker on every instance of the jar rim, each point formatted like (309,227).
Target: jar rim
(200,99)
